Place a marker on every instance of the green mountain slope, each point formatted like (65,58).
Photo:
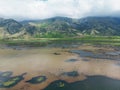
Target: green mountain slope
(100,25)
(104,26)
(10,25)
(60,27)
(53,26)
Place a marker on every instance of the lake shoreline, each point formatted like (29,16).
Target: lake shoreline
(57,63)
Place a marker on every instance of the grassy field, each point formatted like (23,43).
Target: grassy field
(97,40)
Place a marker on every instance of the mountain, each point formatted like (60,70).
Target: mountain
(10,25)
(60,27)
(10,28)
(100,25)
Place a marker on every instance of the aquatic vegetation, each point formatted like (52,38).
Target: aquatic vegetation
(91,83)
(6,74)
(6,81)
(71,74)
(61,84)
(58,85)
(38,79)
(11,82)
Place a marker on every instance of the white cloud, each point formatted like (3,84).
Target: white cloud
(39,9)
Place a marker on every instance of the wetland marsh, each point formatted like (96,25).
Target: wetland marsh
(60,67)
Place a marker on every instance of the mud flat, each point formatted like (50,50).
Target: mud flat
(43,67)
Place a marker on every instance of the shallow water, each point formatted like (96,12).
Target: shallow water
(44,62)
(107,55)
(91,83)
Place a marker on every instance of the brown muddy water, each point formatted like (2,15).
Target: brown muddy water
(37,68)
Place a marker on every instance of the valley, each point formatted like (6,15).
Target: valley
(60,54)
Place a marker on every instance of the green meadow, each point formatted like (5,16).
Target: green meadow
(95,40)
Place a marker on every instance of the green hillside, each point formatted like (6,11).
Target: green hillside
(58,27)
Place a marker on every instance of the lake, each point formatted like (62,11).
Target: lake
(79,67)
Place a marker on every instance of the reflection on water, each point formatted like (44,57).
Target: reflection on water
(45,67)
(107,55)
(91,83)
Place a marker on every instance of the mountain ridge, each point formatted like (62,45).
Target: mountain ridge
(103,26)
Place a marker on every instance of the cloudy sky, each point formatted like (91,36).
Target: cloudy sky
(40,9)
